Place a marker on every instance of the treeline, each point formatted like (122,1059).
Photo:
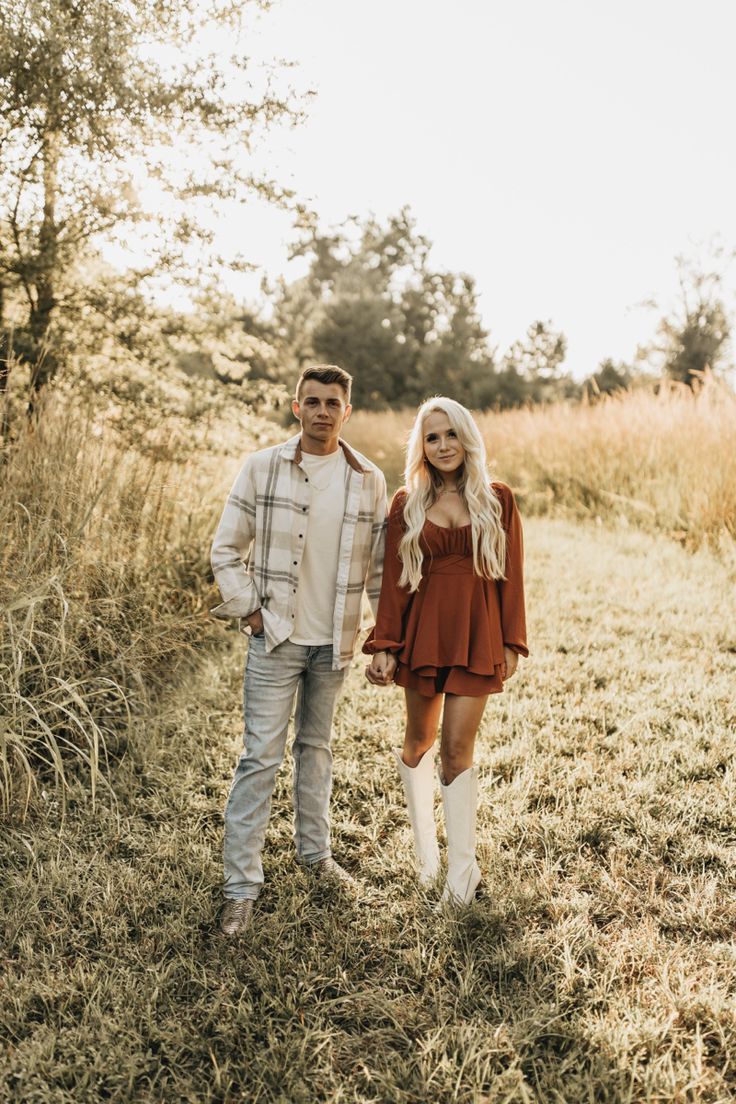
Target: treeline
(372,302)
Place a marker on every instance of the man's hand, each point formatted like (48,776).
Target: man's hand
(256,622)
(511,660)
(382,669)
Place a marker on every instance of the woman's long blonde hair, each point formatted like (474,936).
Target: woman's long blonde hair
(423,483)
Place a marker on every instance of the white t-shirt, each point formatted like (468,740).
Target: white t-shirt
(315,608)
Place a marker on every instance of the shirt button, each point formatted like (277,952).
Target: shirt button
(294,563)
(304,509)
(306,478)
(301,536)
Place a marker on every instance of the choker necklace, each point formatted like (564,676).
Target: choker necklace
(449,490)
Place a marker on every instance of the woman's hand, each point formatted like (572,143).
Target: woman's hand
(511,660)
(382,669)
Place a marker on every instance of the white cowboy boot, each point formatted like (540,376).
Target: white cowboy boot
(460,800)
(419,789)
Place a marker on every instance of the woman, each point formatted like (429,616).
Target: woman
(450,624)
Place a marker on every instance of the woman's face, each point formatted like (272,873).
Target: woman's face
(441,445)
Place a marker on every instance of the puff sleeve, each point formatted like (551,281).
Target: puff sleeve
(511,589)
(388,632)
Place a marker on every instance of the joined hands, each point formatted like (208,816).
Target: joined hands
(381,669)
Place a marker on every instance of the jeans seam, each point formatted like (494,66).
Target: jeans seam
(297,768)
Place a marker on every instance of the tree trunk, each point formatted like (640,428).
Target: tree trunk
(5,355)
(44,363)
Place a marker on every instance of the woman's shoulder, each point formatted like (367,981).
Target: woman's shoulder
(505,496)
(399,500)
(396,509)
(502,491)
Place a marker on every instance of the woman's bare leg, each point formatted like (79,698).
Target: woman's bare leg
(460,722)
(422,718)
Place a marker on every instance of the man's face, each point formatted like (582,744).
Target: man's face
(322,410)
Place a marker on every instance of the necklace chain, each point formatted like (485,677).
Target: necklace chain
(322,483)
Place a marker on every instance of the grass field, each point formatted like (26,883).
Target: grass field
(599,965)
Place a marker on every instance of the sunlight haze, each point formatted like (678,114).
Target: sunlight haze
(563,154)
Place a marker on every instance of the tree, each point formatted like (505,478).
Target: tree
(609,378)
(694,336)
(456,356)
(536,360)
(363,335)
(98,100)
(372,302)
(511,388)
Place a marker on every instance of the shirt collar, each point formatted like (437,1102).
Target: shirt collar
(292,450)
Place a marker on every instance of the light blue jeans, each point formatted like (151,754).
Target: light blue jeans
(271,681)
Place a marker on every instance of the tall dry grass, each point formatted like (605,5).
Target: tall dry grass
(663,462)
(103,574)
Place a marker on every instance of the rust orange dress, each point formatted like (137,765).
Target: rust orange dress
(449,635)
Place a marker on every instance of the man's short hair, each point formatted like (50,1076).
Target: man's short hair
(326,373)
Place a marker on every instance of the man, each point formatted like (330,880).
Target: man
(309,518)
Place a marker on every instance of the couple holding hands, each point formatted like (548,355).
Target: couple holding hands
(302,536)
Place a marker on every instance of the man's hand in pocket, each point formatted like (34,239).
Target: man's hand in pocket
(256,622)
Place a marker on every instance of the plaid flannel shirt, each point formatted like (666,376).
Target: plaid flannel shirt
(259,543)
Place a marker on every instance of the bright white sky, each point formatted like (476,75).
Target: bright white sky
(561,151)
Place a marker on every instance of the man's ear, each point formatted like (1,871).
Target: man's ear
(295,409)
(348,412)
